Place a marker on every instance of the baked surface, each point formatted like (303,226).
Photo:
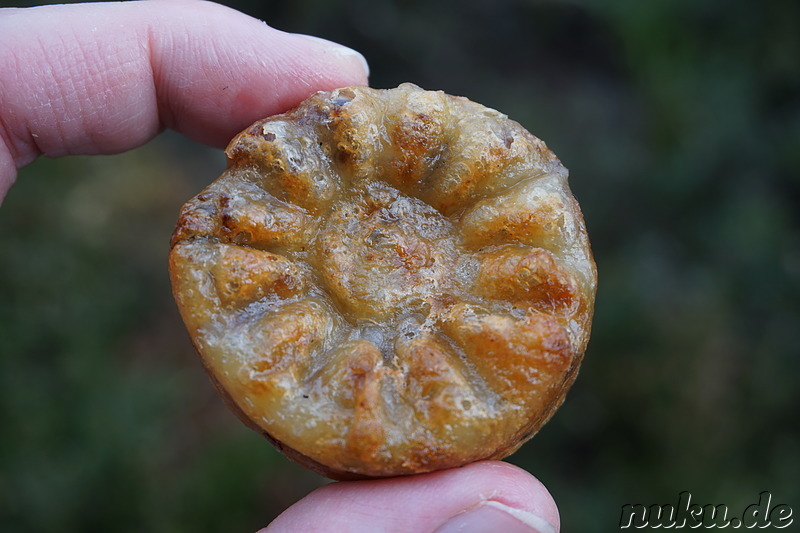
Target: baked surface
(387,282)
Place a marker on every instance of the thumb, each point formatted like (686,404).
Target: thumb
(484,496)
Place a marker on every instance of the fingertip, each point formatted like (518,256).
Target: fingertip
(245,71)
(424,502)
(517,490)
(350,57)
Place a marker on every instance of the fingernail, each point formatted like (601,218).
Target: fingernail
(339,50)
(495,516)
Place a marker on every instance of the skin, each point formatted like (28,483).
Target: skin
(106,78)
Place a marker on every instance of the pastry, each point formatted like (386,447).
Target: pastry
(387,282)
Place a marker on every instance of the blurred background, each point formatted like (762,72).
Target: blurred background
(680,123)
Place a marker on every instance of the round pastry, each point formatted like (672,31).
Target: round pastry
(387,282)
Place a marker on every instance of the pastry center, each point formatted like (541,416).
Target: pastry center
(386,255)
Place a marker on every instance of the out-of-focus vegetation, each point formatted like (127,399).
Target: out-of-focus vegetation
(680,123)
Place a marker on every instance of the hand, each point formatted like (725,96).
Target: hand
(482,497)
(105,78)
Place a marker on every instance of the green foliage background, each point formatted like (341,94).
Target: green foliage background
(680,123)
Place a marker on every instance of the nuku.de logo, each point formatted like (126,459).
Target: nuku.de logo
(686,514)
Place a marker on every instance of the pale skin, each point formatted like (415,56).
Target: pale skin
(106,78)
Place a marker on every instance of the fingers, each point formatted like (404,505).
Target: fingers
(106,77)
(484,496)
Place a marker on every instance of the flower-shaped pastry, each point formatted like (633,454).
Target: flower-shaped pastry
(386,282)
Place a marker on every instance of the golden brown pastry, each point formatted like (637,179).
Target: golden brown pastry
(387,282)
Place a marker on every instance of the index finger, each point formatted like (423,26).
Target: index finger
(104,78)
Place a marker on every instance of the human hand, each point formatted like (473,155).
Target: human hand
(488,496)
(105,78)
